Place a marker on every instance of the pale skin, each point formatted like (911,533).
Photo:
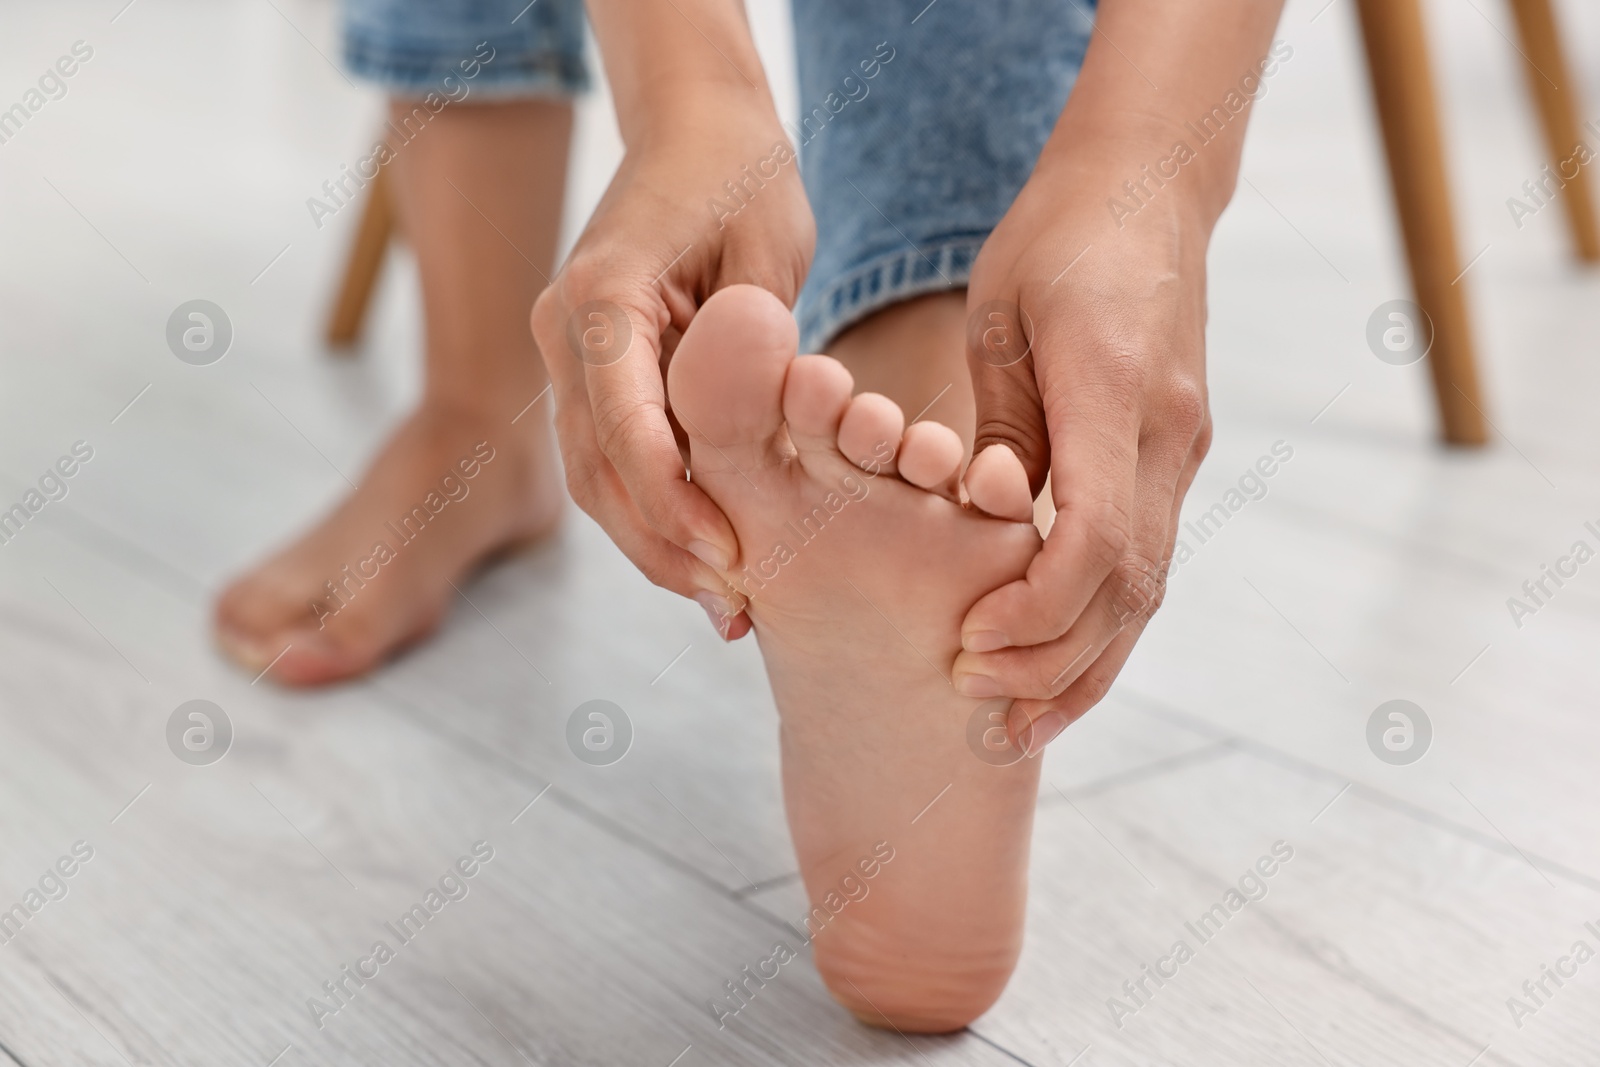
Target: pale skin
(952,595)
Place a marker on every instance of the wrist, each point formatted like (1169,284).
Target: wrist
(665,59)
(709,125)
(667,101)
(1131,163)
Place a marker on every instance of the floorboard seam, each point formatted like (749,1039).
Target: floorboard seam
(992,1043)
(1144,772)
(1305,767)
(571,803)
(1341,968)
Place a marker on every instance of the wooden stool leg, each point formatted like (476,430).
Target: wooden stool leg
(1402,84)
(1556,94)
(366,261)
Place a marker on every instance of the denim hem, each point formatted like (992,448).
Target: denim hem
(547,74)
(931,267)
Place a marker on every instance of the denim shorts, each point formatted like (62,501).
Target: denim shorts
(410,47)
(918,123)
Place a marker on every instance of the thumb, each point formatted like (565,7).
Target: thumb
(1009,409)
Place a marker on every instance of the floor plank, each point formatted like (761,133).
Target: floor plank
(219,900)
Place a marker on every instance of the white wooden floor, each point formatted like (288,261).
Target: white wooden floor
(218,899)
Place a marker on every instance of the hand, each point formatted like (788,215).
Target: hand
(1111,401)
(656,248)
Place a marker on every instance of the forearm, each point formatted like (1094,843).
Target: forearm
(1159,74)
(663,56)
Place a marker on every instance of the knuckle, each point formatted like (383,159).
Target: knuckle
(1108,533)
(1053,674)
(1201,446)
(584,479)
(1184,409)
(545,317)
(1137,586)
(1050,683)
(616,424)
(549,317)
(661,577)
(583,276)
(1123,365)
(656,514)
(1092,688)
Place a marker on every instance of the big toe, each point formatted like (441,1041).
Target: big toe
(251,614)
(726,377)
(299,649)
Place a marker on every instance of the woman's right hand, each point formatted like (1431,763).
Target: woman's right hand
(706,196)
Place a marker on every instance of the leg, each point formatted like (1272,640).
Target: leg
(913,847)
(1402,82)
(914,352)
(1555,92)
(860,625)
(479,193)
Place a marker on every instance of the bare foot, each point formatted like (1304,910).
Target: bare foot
(858,583)
(449,489)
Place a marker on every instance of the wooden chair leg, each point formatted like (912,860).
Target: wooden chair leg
(365,263)
(1556,94)
(1402,84)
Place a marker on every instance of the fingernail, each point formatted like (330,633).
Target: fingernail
(1045,729)
(984,641)
(710,555)
(980,686)
(718,610)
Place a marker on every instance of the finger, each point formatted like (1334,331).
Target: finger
(618,343)
(1046,670)
(1033,724)
(666,564)
(596,487)
(1093,478)
(1126,599)
(1005,390)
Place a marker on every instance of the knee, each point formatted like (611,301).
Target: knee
(917,981)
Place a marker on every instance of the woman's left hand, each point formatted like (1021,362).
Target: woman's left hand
(1086,338)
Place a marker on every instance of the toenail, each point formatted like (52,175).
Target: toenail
(718,610)
(247,650)
(1043,730)
(710,555)
(977,685)
(984,641)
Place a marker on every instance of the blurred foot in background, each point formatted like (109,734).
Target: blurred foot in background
(474,470)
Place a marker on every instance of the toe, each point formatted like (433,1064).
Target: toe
(997,483)
(259,601)
(726,376)
(814,398)
(251,615)
(311,658)
(869,431)
(930,457)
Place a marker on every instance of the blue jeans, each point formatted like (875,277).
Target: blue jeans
(919,122)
